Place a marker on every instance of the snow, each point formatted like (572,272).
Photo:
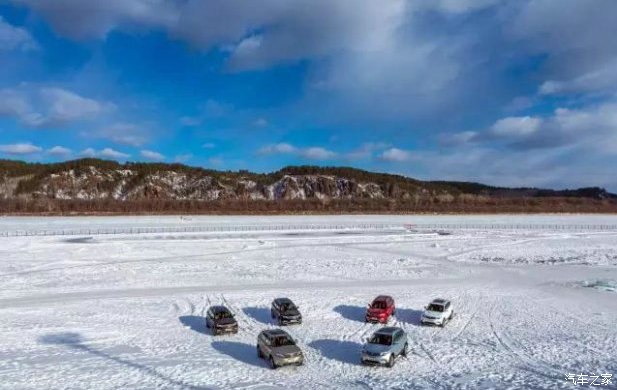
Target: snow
(125,311)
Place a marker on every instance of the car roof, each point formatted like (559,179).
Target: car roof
(388,330)
(283,300)
(275,332)
(382,298)
(439,301)
(219,309)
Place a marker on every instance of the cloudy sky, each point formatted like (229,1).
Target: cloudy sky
(518,93)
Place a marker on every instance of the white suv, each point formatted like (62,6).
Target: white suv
(437,312)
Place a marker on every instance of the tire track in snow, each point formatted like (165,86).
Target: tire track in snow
(529,363)
(177,258)
(78,296)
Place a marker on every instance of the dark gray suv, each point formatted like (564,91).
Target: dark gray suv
(285,312)
(278,348)
(220,320)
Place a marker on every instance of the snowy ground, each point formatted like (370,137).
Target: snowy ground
(126,311)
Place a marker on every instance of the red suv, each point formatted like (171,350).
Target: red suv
(381,309)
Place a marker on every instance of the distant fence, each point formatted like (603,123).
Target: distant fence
(195,229)
(472,226)
(421,227)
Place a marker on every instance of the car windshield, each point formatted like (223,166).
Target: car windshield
(433,307)
(281,341)
(223,314)
(288,306)
(382,339)
(379,305)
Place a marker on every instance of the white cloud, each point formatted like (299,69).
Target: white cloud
(13,103)
(592,129)
(317,153)
(87,19)
(574,38)
(396,155)
(104,153)
(48,107)
(20,149)
(603,78)
(15,38)
(461,6)
(88,152)
(111,153)
(65,106)
(59,151)
(366,150)
(152,155)
(282,148)
(516,126)
(461,138)
(311,153)
(127,134)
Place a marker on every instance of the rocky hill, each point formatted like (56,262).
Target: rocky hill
(99,185)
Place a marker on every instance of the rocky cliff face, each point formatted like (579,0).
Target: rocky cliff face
(91,179)
(125,184)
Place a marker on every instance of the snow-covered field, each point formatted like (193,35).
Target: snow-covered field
(126,311)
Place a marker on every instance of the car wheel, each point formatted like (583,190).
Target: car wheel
(390,361)
(451,315)
(259,354)
(280,322)
(207,324)
(404,352)
(272,314)
(272,364)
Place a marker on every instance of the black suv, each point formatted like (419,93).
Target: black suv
(285,312)
(220,320)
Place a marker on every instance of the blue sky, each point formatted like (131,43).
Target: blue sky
(517,93)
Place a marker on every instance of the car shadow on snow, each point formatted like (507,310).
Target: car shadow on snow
(195,323)
(342,351)
(354,313)
(240,351)
(409,316)
(259,314)
(76,342)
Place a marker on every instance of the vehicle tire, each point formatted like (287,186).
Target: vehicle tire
(259,354)
(390,362)
(272,364)
(272,314)
(451,316)
(280,322)
(404,351)
(207,325)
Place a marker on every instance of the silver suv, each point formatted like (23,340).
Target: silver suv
(278,348)
(384,346)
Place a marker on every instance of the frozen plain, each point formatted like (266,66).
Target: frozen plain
(125,311)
